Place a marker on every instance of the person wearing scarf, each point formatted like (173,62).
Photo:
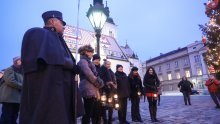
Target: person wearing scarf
(151,84)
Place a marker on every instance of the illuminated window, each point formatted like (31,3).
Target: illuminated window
(169,75)
(187,73)
(177,75)
(199,71)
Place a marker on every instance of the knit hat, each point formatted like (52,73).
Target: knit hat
(118,66)
(15,59)
(95,56)
(134,69)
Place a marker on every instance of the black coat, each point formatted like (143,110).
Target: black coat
(151,84)
(135,85)
(185,86)
(98,67)
(123,86)
(48,88)
(107,76)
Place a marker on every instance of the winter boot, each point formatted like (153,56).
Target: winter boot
(155,114)
(151,114)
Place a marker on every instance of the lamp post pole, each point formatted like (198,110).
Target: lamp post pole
(98,36)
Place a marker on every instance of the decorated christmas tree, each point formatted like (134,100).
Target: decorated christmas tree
(211,38)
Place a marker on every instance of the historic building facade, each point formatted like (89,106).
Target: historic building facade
(186,61)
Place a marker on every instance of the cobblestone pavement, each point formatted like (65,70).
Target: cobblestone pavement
(173,111)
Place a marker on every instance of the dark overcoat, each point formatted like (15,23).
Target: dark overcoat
(123,86)
(49,71)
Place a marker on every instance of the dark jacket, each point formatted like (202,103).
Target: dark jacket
(48,89)
(135,86)
(123,86)
(98,67)
(107,76)
(90,83)
(151,83)
(185,86)
(10,90)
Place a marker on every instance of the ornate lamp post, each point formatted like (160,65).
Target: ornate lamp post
(97,16)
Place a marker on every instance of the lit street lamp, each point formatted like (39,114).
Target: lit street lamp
(97,16)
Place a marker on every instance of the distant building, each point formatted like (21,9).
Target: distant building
(187,61)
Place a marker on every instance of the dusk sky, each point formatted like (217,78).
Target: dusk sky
(150,27)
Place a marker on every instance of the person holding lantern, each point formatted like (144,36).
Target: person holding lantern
(89,85)
(151,84)
(123,90)
(136,92)
(109,89)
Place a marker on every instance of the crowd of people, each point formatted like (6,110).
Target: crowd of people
(41,83)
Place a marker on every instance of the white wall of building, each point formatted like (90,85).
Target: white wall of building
(110,30)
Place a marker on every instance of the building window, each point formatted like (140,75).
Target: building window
(176,64)
(159,69)
(160,77)
(169,75)
(111,34)
(197,58)
(187,73)
(178,75)
(186,62)
(168,66)
(199,71)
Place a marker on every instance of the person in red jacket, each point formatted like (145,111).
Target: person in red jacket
(214,89)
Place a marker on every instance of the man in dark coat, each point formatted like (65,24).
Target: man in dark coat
(186,88)
(49,69)
(123,90)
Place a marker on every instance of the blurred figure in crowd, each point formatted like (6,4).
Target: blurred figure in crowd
(10,92)
(136,92)
(96,61)
(186,88)
(123,90)
(107,75)
(151,84)
(214,89)
(89,84)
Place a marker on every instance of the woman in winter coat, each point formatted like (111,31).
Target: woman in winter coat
(109,89)
(151,84)
(136,89)
(214,89)
(123,90)
(10,92)
(89,84)
(186,88)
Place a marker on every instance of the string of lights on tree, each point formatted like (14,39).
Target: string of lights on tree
(211,35)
